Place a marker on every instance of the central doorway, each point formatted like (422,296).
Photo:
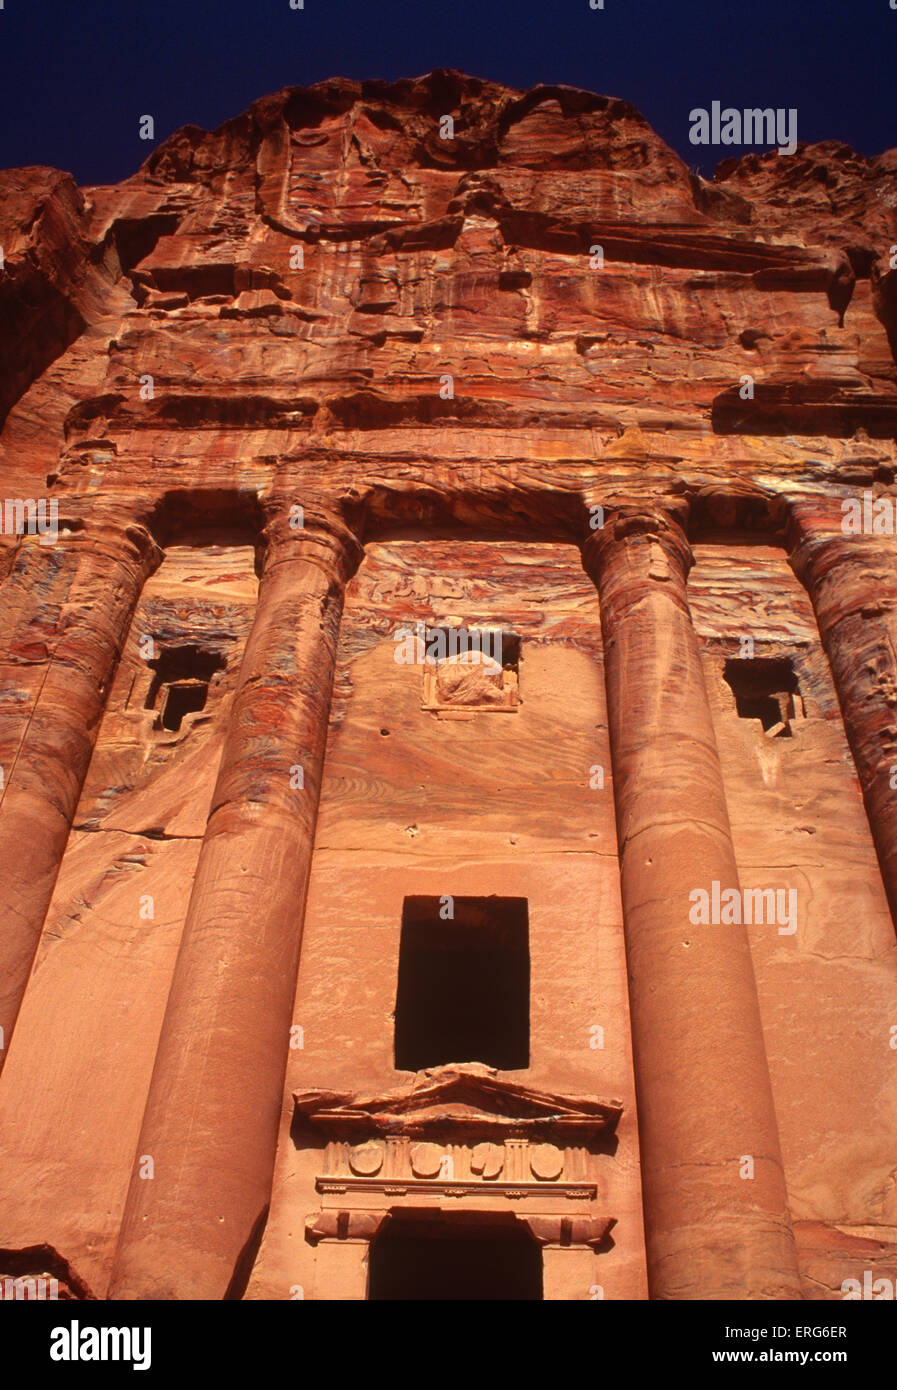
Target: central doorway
(441,1261)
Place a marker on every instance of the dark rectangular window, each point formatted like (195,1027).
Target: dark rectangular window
(766,688)
(464,976)
(180,683)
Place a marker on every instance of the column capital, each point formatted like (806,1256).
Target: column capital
(311,531)
(121,538)
(819,546)
(811,519)
(109,532)
(651,535)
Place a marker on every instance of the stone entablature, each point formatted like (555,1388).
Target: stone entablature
(460,1139)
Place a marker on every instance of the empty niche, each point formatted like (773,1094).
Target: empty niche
(464,983)
(467,670)
(180,684)
(766,688)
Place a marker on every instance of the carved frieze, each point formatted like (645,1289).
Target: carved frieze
(399,1164)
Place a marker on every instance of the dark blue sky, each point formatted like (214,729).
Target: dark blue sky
(75,75)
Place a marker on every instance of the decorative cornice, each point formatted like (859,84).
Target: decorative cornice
(471,1099)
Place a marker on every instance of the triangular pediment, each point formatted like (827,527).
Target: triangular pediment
(469,1096)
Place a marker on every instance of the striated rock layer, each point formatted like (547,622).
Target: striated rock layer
(345,372)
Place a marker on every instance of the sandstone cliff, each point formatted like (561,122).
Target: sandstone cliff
(453,349)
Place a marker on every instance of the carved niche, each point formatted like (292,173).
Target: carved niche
(470,670)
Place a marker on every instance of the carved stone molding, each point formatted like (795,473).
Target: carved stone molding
(344,1225)
(470,1101)
(347,1224)
(398,1164)
(569,1230)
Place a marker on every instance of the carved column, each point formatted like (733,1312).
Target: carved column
(704,1096)
(852,583)
(77,600)
(215,1100)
